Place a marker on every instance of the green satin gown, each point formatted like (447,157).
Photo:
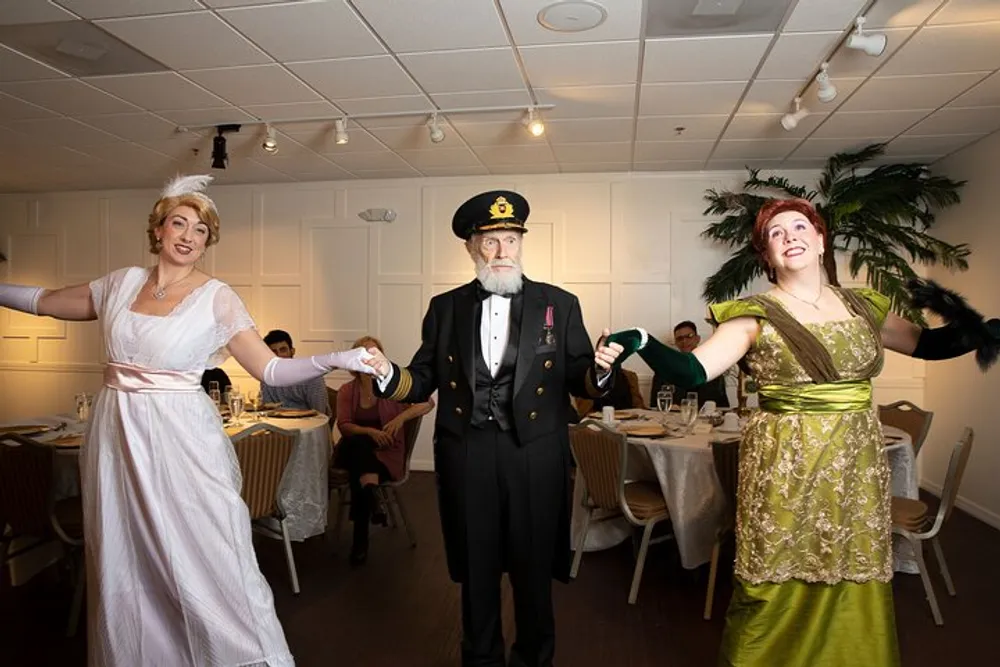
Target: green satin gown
(813,530)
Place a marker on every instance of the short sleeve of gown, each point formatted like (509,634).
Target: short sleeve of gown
(878,303)
(102,289)
(728,310)
(231,317)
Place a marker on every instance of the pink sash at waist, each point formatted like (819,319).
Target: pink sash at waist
(133,378)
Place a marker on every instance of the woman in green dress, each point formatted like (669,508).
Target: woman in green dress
(813,533)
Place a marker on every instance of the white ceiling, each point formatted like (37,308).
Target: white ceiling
(622,102)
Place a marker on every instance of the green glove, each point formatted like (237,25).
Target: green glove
(675,367)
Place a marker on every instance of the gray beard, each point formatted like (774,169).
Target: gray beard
(508,282)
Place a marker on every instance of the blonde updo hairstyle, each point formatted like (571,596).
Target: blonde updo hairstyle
(201,205)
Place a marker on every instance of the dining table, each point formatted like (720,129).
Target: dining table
(682,465)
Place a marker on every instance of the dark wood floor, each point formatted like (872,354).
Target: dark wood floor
(401,609)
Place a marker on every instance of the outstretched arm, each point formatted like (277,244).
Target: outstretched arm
(68,303)
(249,350)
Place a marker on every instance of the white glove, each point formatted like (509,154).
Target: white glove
(20,297)
(284,372)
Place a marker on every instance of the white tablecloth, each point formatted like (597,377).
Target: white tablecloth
(303,492)
(684,469)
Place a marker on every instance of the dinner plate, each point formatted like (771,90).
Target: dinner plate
(290,413)
(27,429)
(66,441)
(620,415)
(644,430)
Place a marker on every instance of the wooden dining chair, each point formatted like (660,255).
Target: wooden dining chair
(726,458)
(910,418)
(601,455)
(263,451)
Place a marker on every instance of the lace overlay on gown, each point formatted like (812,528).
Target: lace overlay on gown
(814,489)
(172,575)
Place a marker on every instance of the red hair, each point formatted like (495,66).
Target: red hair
(772,208)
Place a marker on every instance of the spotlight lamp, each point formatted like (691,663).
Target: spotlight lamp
(826,92)
(220,156)
(270,143)
(873,43)
(791,120)
(340,131)
(533,123)
(434,129)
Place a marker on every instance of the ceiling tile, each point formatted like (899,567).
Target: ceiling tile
(277,112)
(588,101)
(408,172)
(305,30)
(486,69)
(768,126)
(669,165)
(594,152)
(927,91)
(937,146)
(672,99)
(803,163)
(969,48)
(437,26)
(812,15)
(321,139)
(770,96)
(441,157)
(67,96)
(133,126)
(159,91)
(588,130)
(824,148)
(17,67)
(798,55)
(659,151)
(736,164)
(292,165)
(213,116)
(623,23)
(416,137)
(128,155)
(516,169)
(368,161)
(181,146)
(208,41)
(494,134)
(967,11)
(845,87)
(63,132)
(372,105)
(352,78)
(679,128)
(581,64)
(848,124)
(18,12)
(754,150)
(853,63)
(477,170)
(973,120)
(594,167)
(717,58)
(899,13)
(106,9)
(984,94)
(12,108)
(255,84)
(483,98)
(515,155)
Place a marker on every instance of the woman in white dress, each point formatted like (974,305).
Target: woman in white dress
(172,578)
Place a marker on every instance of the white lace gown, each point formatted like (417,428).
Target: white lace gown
(172,579)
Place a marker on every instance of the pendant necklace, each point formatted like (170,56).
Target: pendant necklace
(160,292)
(814,303)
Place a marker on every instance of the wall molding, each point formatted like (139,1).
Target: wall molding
(970,507)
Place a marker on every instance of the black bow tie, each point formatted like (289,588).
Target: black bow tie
(482,293)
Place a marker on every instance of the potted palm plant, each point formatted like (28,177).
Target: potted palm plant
(879,217)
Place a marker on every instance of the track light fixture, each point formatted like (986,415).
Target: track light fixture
(270,143)
(436,133)
(826,92)
(533,123)
(873,43)
(340,126)
(220,157)
(790,120)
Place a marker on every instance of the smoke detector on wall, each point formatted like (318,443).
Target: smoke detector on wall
(572,16)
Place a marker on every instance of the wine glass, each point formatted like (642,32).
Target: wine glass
(689,412)
(253,400)
(664,399)
(236,406)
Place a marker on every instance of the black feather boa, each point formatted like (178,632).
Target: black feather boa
(978,334)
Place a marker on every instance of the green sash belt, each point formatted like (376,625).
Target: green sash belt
(828,397)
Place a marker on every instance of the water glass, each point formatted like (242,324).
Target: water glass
(689,411)
(693,396)
(664,399)
(236,406)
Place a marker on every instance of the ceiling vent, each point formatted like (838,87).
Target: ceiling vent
(696,18)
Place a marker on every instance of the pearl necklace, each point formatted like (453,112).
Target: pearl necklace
(814,303)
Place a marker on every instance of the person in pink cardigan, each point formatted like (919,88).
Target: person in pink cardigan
(371,448)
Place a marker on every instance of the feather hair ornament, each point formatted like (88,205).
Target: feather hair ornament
(187,185)
(978,334)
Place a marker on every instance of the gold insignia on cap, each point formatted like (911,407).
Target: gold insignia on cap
(501,209)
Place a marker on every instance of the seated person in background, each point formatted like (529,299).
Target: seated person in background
(309,395)
(372,449)
(215,375)
(624,395)
(686,339)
